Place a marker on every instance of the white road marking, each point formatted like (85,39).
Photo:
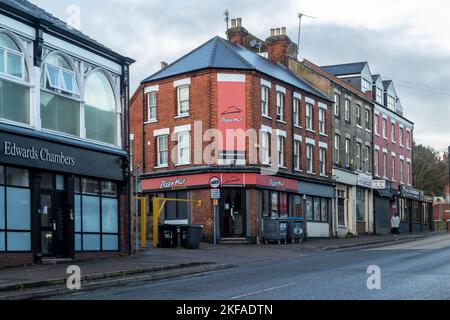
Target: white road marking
(263,291)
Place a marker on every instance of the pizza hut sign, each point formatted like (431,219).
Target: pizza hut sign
(276,183)
(166,184)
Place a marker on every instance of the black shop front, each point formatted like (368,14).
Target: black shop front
(59,198)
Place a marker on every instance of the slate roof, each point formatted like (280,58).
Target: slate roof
(386,84)
(375,77)
(345,69)
(218,53)
(24,7)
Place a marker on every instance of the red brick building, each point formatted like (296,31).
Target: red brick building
(223,87)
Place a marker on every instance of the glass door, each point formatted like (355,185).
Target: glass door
(233,213)
(48,225)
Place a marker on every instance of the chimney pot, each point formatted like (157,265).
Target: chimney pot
(283,30)
(233,23)
(239,22)
(278,31)
(272,32)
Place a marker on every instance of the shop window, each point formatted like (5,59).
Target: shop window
(14,95)
(274,205)
(96,215)
(15,210)
(324,210)
(177,210)
(309,208)
(316,209)
(283,199)
(266,203)
(60,98)
(100,109)
(417,212)
(297,207)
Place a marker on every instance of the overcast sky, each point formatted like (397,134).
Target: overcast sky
(404,40)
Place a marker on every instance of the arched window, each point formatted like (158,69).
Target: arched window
(100,109)
(60,96)
(14,88)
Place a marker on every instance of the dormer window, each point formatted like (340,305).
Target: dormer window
(365,85)
(391,103)
(379,96)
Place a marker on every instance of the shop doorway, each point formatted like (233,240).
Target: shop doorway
(54,216)
(233,213)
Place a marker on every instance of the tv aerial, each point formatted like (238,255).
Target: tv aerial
(300,17)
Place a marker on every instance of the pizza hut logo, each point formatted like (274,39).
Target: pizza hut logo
(232,180)
(276,183)
(173,184)
(230,115)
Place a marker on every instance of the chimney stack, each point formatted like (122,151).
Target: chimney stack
(280,48)
(237,33)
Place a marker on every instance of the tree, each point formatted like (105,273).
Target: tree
(430,170)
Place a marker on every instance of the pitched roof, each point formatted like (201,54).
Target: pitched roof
(375,77)
(29,9)
(218,53)
(346,69)
(340,82)
(386,84)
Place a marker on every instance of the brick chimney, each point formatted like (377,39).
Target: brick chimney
(280,47)
(237,33)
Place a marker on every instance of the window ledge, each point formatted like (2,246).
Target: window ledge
(296,126)
(312,131)
(182,116)
(323,134)
(358,126)
(282,121)
(162,166)
(182,164)
(369,131)
(282,167)
(298,171)
(266,117)
(324,175)
(151,122)
(311,173)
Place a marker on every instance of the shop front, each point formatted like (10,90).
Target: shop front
(344,221)
(364,204)
(317,201)
(60,199)
(385,206)
(246,200)
(414,211)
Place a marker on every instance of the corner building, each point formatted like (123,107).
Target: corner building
(222,85)
(63,156)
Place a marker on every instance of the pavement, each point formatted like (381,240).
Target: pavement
(418,270)
(157,264)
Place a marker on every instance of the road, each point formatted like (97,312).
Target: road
(416,270)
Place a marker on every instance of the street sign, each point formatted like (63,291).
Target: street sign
(379,184)
(215,182)
(215,194)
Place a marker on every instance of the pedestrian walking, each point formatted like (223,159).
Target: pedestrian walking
(395,224)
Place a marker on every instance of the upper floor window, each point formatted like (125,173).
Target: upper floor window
(309,158)
(184,148)
(337,105)
(384,128)
(296,112)
(162,146)
(358,156)
(322,161)
(309,116)
(100,114)
(337,148)
(297,147)
(408,139)
(322,120)
(183,100)
(367,159)
(265,101)
(347,110)
(152,107)
(358,115)
(280,106)
(377,124)
(265,147)
(14,87)
(347,152)
(376,160)
(379,96)
(367,118)
(281,141)
(393,168)
(365,85)
(400,136)
(60,99)
(392,132)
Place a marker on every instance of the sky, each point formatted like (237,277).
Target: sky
(407,41)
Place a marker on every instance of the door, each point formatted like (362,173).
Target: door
(233,213)
(53,217)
